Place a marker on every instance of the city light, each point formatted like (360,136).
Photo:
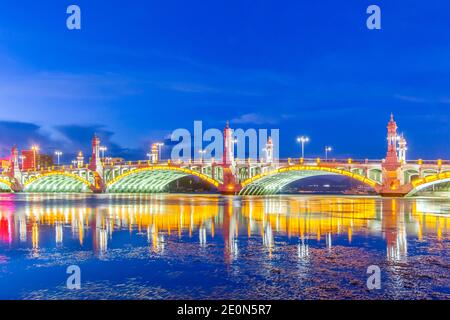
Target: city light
(202,153)
(303,140)
(327,150)
(103,149)
(35,148)
(58,155)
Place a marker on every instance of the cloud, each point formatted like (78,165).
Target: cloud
(80,137)
(68,138)
(258,119)
(21,134)
(414,99)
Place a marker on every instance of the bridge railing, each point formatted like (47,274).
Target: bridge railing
(243,162)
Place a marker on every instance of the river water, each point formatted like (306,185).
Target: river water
(214,247)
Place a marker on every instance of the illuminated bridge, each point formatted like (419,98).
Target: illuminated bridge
(392,176)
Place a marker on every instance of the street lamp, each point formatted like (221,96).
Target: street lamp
(58,155)
(103,149)
(327,149)
(202,152)
(303,140)
(35,149)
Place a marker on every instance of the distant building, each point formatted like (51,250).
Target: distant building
(32,160)
(4,165)
(28,159)
(45,161)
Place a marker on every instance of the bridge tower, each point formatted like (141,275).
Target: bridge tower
(391,157)
(402,148)
(14,171)
(154,153)
(80,159)
(96,165)
(391,166)
(230,184)
(269,150)
(228,146)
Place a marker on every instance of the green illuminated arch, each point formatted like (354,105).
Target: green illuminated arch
(273,182)
(152,179)
(428,181)
(57,182)
(5,185)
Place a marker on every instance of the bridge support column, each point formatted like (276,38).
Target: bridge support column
(229,185)
(391,167)
(392,186)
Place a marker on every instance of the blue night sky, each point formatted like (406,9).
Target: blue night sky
(139,69)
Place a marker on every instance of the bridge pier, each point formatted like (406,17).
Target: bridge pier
(230,186)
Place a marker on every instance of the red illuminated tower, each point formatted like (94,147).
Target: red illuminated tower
(392,185)
(95,163)
(392,162)
(229,185)
(14,166)
(228,146)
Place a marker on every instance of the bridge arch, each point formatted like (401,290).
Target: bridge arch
(152,179)
(5,184)
(428,181)
(274,181)
(57,182)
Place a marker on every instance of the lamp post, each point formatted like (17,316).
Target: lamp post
(35,149)
(103,149)
(303,140)
(58,155)
(202,152)
(327,149)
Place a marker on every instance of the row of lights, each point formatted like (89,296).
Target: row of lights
(58,154)
(303,140)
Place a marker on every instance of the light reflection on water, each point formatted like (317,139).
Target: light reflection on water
(184,246)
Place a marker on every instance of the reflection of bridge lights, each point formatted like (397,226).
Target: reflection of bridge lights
(35,236)
(202,236)
(58,233)
(22,229)
(303,252)
(398,252)
(102,236)
(329,241)
(268,239)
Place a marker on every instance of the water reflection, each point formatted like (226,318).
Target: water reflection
(25,219)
